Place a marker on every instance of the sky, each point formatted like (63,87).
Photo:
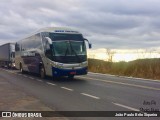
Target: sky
(123,54)
(113,24)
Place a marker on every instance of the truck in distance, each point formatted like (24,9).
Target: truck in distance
(7,55)
(54,52)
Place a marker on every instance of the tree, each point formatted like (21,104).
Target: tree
(110,53)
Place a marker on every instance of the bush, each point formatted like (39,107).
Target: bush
(143,68)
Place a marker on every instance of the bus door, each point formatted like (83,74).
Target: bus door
(46,57)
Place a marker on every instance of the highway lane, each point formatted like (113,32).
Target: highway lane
(89,93)
(129,91)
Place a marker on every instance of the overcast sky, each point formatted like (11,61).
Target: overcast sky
(114,24)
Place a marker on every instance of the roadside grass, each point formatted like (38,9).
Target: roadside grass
(141,68)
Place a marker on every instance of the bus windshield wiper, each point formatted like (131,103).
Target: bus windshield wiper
(66,51)
(75,53)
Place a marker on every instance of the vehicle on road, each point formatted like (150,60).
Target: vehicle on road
(7,55)
(53,51)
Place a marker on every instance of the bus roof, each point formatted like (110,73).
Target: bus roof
(58,30)
(53,30)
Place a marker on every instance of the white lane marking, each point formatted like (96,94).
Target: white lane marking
(101,74)
(6,70)
(125,77)
(67,88)
(39,80)
(31,78)
(90,95)
(25,76)
(11,72)
(50,83)
(121,83)
(127,107)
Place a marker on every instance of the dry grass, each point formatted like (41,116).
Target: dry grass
(143,68)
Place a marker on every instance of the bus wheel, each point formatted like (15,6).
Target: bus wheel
(21,69)
(71,77)
(42,72)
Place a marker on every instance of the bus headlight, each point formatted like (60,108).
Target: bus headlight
(84,64)
(57,65)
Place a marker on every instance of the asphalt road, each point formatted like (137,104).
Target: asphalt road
(93,92)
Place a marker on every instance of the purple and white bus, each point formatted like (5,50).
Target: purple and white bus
(53,52)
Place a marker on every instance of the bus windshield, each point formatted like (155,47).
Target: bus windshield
(69,48)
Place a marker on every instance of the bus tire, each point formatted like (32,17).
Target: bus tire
(42,72)
(21,68)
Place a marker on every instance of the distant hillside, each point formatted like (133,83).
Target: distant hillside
(143,68)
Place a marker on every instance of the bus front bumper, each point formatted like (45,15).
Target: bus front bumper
(57,72)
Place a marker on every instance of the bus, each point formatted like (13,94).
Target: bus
(54,52)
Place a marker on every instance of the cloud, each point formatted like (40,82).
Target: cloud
(106,23)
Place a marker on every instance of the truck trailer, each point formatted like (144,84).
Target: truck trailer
(7,55)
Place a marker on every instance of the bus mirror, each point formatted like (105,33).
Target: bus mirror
(48,52)
(90,45)
(49,40)
(51,45)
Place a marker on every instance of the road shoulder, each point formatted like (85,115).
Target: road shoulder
(14,99)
